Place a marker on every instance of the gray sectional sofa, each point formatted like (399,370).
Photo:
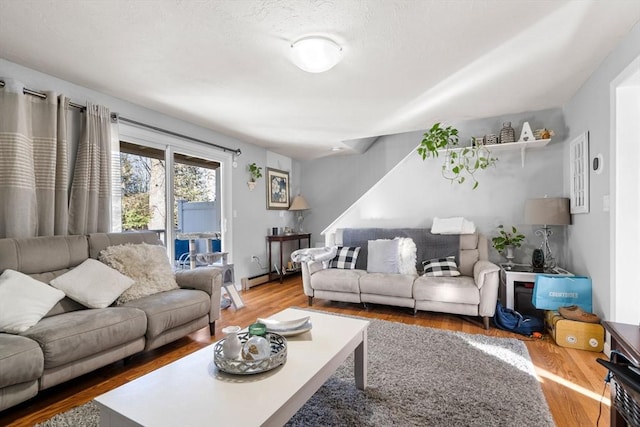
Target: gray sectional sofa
(473,293)
(71,339)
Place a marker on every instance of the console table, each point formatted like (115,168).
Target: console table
(512,273)
(625,338)
(282,271)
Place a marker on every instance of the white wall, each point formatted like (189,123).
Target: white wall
(589,110)
(251,221)
(414,192)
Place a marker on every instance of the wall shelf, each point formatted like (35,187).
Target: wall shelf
(520,145)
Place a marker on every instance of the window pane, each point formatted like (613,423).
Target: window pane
(196,207)
(143,192)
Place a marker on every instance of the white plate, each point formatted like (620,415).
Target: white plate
(284,325)
(291,332)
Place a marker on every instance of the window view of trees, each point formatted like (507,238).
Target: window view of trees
(143,189)
(135,173)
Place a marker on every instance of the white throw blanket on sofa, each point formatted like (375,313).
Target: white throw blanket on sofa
(455,225)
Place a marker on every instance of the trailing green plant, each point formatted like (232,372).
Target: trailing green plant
(507,238)
(458,161)
(255,171)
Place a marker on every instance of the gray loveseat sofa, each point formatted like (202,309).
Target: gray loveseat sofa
(473,293)
(71,339)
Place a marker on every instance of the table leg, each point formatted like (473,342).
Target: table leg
(281,266)
(360,362)
(509,285)
(269,264)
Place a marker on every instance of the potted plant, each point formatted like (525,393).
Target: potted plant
(507,241)
(255,172)
(459,161)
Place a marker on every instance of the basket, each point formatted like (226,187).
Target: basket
(278,356)
(627,402)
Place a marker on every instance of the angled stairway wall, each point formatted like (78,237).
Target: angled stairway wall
(391,186)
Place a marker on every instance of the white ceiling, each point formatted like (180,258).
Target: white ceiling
(224,64)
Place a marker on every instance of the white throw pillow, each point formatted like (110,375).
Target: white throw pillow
(382,256)
(407,256)
(93,284)
(24,301)
(147,265)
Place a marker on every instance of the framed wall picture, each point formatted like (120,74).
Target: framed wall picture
(277,189)
(579,174)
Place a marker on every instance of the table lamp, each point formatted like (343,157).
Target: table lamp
(299,205)
(547,211)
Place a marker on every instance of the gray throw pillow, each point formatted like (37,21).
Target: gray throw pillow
(382,256)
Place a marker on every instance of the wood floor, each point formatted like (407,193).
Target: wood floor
(571,379)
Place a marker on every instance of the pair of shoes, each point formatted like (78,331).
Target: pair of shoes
(573,312)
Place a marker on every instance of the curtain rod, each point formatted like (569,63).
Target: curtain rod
(115,117)
(44,96)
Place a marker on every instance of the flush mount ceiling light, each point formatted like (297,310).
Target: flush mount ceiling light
(315,54)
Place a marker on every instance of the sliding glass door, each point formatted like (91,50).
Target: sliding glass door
(175,188)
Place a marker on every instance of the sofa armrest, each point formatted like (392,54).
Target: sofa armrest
(482,272)
(207,279)
(315,266)
(487,278)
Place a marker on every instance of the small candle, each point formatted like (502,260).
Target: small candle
(258,329)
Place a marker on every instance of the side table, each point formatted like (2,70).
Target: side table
(625,338)
(281,270)
(510,274)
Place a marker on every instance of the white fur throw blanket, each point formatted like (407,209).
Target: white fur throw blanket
(147,264)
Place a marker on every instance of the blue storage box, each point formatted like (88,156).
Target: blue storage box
(551,292)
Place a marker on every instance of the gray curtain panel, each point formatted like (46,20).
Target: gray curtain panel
(89,205)
(33,163)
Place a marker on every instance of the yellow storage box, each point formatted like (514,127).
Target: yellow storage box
(572,334)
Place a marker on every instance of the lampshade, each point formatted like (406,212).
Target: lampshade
(299,204)
(315,54)
(547,211)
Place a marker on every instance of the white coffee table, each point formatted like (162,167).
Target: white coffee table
(192,392)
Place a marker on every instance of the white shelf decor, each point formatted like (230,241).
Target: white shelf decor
(519,145)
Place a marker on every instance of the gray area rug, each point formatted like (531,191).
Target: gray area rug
(417,377)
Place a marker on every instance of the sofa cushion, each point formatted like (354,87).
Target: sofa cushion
(167,310)
(441,267)
(33,255)
(382,256)
(93,284)
(147,264)
(339,280)
(24,301)
(72,336)
(21,360)
(460,290)
(397,285)
(346,257)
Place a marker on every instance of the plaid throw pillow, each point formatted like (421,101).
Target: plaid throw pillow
(346,257)
(441,267)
